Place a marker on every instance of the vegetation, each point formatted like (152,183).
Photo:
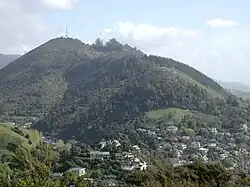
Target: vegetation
(176,113)
(32,167)
(91,93)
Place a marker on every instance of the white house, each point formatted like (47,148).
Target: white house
(203,150)
(78,171)
(56,175)
(117,143)
(172,128)
(214,130)
(142,166)
(196,144)
(136,147)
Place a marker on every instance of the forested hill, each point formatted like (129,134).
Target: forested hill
(103,89)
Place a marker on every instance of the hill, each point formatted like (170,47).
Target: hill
(6,59)
(93,91)
(235,86)
(238,89)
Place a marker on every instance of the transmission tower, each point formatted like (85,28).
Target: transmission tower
(66,33)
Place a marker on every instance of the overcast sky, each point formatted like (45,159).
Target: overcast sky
(212,36)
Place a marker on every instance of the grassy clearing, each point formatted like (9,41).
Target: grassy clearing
(175,113)
(7,133)
(210,91)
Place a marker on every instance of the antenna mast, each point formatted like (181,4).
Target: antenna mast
(66,33)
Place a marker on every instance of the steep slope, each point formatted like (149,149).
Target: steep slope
(33,82)
(6,59)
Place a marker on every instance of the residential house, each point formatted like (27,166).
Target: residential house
(142,166)
(203,150)
(118,156)
(172,129)
(79,171)
(196,144)
(96,155)
(136,147)
(56,175)
(117,143)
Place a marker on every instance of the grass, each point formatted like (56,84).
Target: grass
(5,131)
(176,113)
(210,91)
(189,79)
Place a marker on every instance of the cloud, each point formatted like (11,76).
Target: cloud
(221,55)
(23,23)
(60,4)
(141,35)
(220,23)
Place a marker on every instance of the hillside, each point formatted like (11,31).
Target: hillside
(6,59)
(84,90)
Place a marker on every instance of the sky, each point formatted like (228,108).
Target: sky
(212,36)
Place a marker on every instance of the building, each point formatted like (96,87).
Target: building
(172,129)
(142,166)
(79,171)
(56,175)
(196,144)
(96,155)
(118,156)
(136,147)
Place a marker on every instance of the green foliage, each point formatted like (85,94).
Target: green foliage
(175,114)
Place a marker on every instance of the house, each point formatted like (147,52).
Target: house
(118,156)
(203,150)
(182,146)
(79,171)
(214,130)
(128,168)
(117,143)
(56,175)
(136,147)
(99,155)
(205,158)
(172,129)
(212,145)
(196,144)
(142,166)
(103,144)
(27,125)
(141,130)
(185,138)
(129,155)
